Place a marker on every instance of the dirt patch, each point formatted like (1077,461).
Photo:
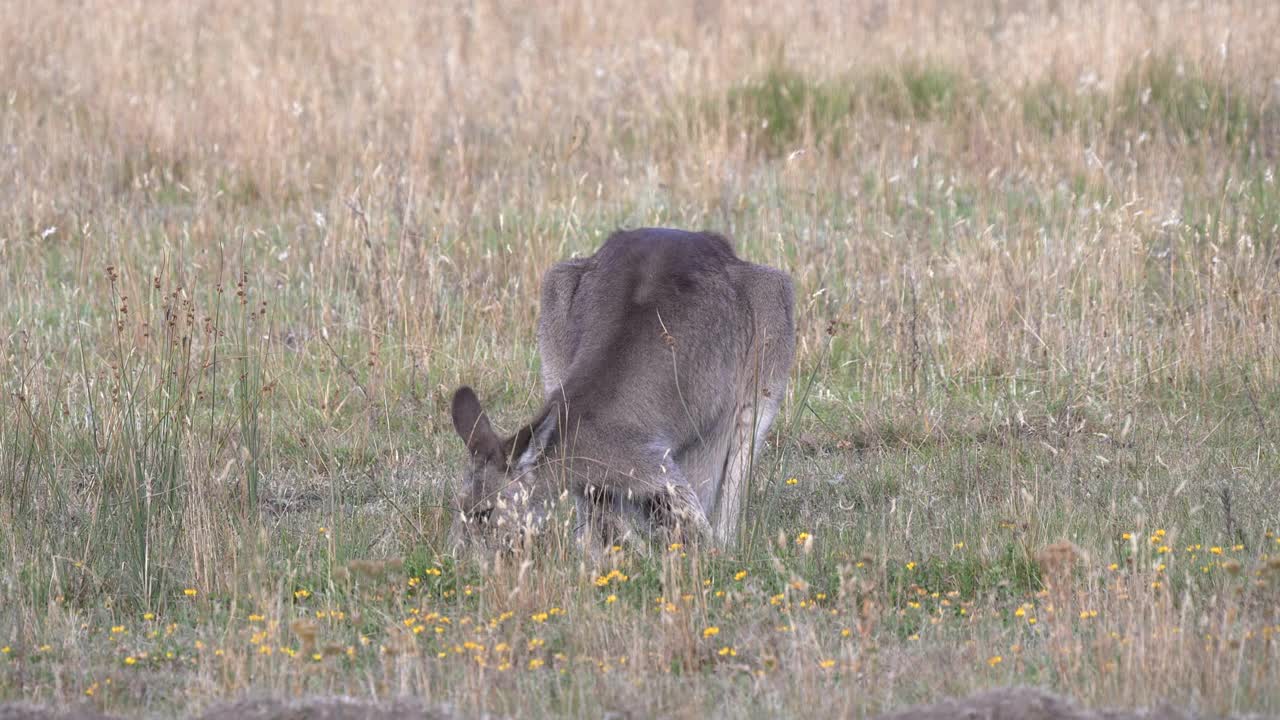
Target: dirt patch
(27,711)
(1021,703)
(329,708)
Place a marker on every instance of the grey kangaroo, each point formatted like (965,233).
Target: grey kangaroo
(664,360)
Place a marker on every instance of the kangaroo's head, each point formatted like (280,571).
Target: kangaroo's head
(500,497)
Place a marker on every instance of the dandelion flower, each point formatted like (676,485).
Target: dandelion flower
(711,632)
(994,660)
(189,592)
(727,651)
(740,575)
(827,664)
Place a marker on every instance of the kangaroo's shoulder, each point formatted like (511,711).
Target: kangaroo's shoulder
(560,281)
(764,285)
(667,247)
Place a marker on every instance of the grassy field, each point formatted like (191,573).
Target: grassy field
(248,250)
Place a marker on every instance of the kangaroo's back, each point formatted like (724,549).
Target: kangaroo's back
(654,315)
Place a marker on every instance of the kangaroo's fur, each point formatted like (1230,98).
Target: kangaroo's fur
(664,360)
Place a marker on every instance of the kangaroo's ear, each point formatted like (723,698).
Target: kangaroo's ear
(533,439)
(470,422)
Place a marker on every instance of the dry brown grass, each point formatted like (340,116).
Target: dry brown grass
(247,251)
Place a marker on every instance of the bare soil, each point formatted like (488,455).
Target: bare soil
(1023,703)
(1015,703)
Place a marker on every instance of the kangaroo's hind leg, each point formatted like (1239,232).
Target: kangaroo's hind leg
(759,398)
(750,427)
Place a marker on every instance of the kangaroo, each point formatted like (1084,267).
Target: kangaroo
(664,361)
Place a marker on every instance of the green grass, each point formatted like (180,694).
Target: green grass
(785,110)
